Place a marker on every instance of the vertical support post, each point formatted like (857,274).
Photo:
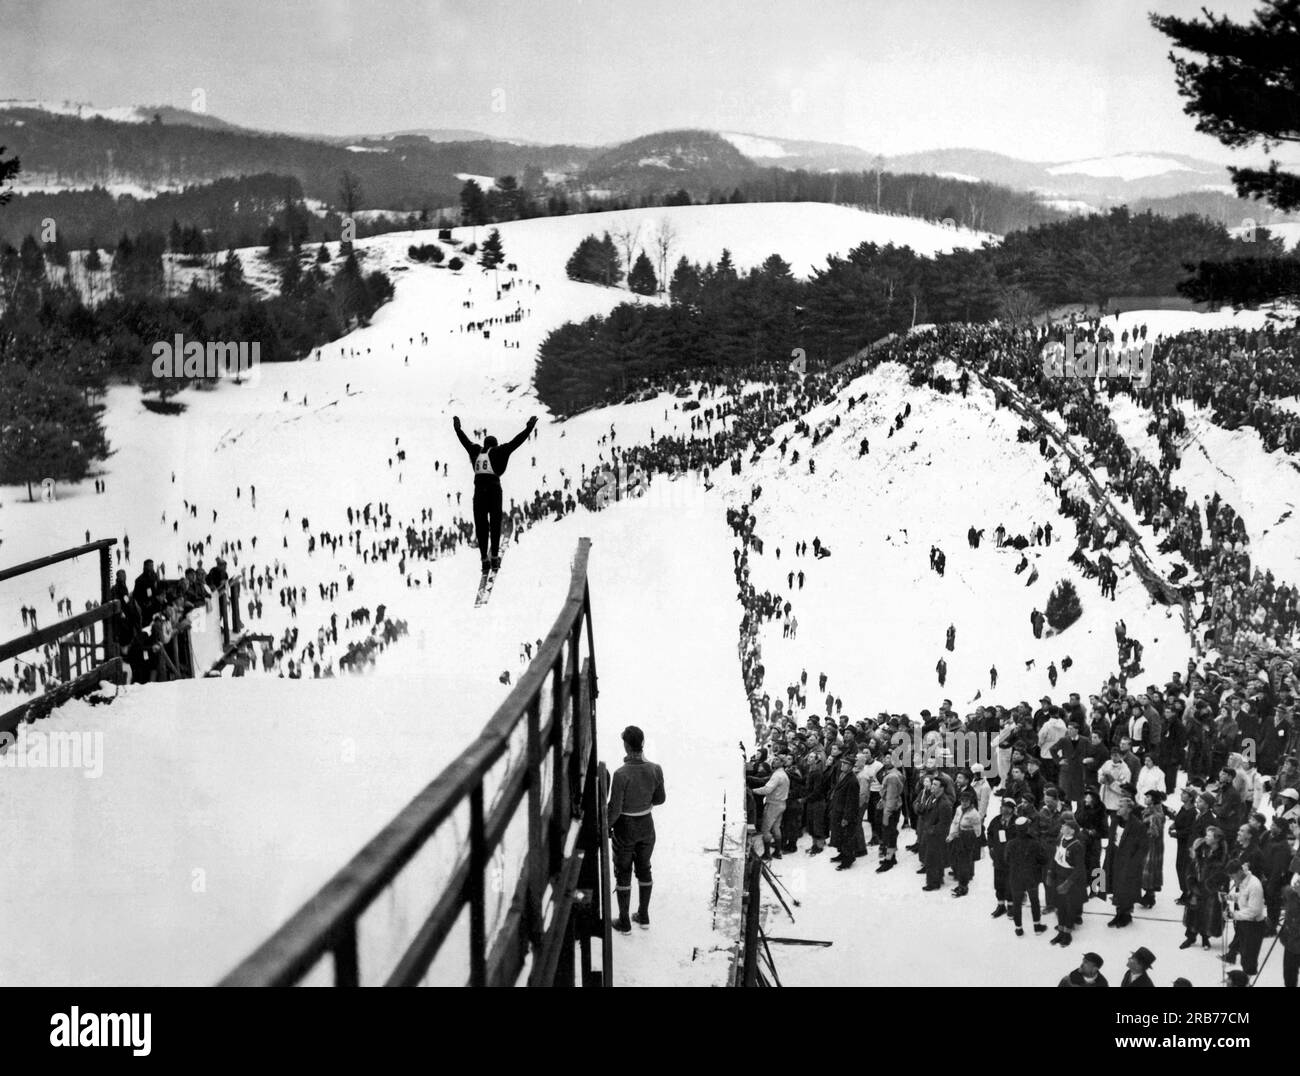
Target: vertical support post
(223,611)
(558,823)
(477,890)
(346,969)
(105,596)
(236,592)
(539,864)
(753,904)
(605,911)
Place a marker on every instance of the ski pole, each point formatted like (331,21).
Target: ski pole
(1260,970)
(778,895)
(774,881)
(778,880)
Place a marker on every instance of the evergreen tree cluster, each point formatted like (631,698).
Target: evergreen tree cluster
(429,253)
(719,317)
(1063,607)
(595,261)
(57,354)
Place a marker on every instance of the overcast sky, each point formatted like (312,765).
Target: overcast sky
(1038,79)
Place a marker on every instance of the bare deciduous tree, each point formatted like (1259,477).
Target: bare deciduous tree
(627,236)
(664,242)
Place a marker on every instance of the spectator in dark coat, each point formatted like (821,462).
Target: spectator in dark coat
(147,592)
(845,817)
(1025,862)
(817,775)
(1289,933)
(1139,964)
(1127,856)
(999,834)
(1203,913)
(1067,880)
(1183,831)
(932,831)
(1086,974)
(1069,753)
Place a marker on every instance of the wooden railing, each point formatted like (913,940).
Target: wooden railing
(84,660)
(560,898)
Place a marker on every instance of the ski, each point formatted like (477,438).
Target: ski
(485,584)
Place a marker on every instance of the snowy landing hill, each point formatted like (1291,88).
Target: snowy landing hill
(222,806)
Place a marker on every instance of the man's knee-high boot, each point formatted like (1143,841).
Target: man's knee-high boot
(642,917)
(624,894)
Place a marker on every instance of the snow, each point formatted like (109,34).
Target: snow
(1287,231)
(486,182)
(1069,205)
(965,177)
(36,183)
(82,110)
(366,149)
(223,805)
(1121,166)
(180,793)
(756,147)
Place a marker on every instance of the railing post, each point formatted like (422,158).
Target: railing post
(560,802)
(540,866)
(236,592)
(753,904)
(477,889)
(105,596)
(346,969)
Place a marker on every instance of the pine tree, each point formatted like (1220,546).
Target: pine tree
(611,269)
(642,279)
(1247,88)
(685,285)
(473,204)
(47,429)
(1063,607)
(492,254)
(231,277)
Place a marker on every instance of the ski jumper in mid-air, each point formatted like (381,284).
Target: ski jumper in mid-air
(489,460)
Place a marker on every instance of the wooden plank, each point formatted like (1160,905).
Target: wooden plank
(55,632)
(294,949)
(86,682)
(548,962)
(56,558)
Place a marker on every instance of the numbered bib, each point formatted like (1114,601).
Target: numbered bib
(483,465)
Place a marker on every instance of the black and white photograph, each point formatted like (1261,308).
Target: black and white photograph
(648,493)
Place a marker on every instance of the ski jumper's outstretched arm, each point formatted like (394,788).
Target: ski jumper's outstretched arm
(470,446)
(523,435)
(510,446)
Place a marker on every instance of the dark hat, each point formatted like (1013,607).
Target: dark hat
(1180,981)
(1094,959)
(1156,794)
(1144,956)
(1046,698)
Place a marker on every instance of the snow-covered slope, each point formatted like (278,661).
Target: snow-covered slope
(1120,166)
(221,806)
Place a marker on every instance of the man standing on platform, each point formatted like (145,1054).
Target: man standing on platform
(638,786)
